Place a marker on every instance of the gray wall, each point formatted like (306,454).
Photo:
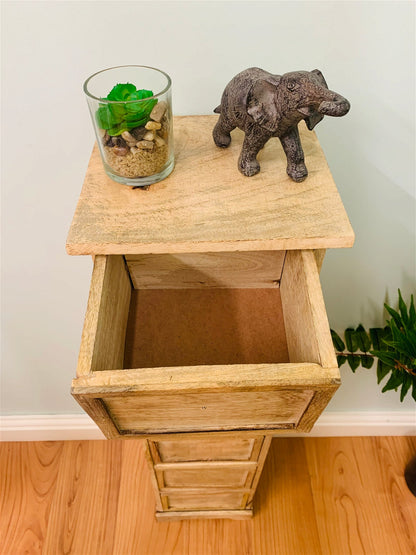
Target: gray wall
(366,52)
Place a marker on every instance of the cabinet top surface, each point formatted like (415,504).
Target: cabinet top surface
(206,205)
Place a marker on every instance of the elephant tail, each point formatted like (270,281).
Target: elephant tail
(217,110)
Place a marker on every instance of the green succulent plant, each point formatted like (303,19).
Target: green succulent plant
(394,347)
(122,113)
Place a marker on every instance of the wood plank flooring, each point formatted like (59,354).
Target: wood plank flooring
(324,496)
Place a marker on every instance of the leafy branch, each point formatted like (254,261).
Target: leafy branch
(394,348)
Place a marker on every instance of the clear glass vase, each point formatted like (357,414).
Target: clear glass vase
(131,111)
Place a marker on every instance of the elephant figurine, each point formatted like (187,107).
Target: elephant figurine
(264,105)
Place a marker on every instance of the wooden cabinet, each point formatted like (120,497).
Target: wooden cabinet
(206,331)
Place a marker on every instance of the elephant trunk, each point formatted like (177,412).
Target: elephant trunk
(336,105)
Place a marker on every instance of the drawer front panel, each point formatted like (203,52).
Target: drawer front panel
(198,270)
(184,500)
(217,475)
(208,411)
(205,450)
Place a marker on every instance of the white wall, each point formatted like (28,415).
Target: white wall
(366,52)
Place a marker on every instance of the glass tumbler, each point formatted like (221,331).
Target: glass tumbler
(131,110)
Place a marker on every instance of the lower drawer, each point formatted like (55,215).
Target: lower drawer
(155,362)
(212,449)
(188,501)
(205,475)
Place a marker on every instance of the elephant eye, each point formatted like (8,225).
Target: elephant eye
(292,85)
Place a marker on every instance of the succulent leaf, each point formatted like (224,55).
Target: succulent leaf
(121,114)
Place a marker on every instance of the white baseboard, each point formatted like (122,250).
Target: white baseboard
(331,424)
(50,427)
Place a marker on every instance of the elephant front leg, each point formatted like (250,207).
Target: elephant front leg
(254,141)
(221,132)
(296,168)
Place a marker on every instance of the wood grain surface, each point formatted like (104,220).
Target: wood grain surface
(330,496)
(207,205)
(196,412)
(104,332)
(238,449)
(210,269)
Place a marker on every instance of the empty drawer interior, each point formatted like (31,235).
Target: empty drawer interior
(193,348)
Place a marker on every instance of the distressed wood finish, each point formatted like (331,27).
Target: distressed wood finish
(172,516)
(206,330)
(306,323)
(232,377)
(191,412)
(206,205)
(217,474)
(207,486)
(183,500)
(264,449)
(103,336)
(319,258)
(238,449)
(214,269)
(206,397)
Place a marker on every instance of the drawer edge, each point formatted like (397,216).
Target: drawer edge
(235,377)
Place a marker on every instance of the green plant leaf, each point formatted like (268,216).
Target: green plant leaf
(382,370)
(104,117)
(414,388)
(403,309)
(121,92)
(122,114)
(395,315)
(403,345)
(131,124)
(363,340)
(367,361)
(118,112)
(341,359)
(386,334)
(407,382)
(118,129)
(394,381)
(376,335)
(386,356)
(351,340)
(337,341)
(412,313)
(353,361)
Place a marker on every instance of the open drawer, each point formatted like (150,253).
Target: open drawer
(214,342)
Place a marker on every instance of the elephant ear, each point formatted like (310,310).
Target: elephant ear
(261,104)
(313,117)
(320,77)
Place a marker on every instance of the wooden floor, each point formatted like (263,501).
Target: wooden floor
(328,495)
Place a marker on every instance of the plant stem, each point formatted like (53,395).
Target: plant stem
(398,365)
